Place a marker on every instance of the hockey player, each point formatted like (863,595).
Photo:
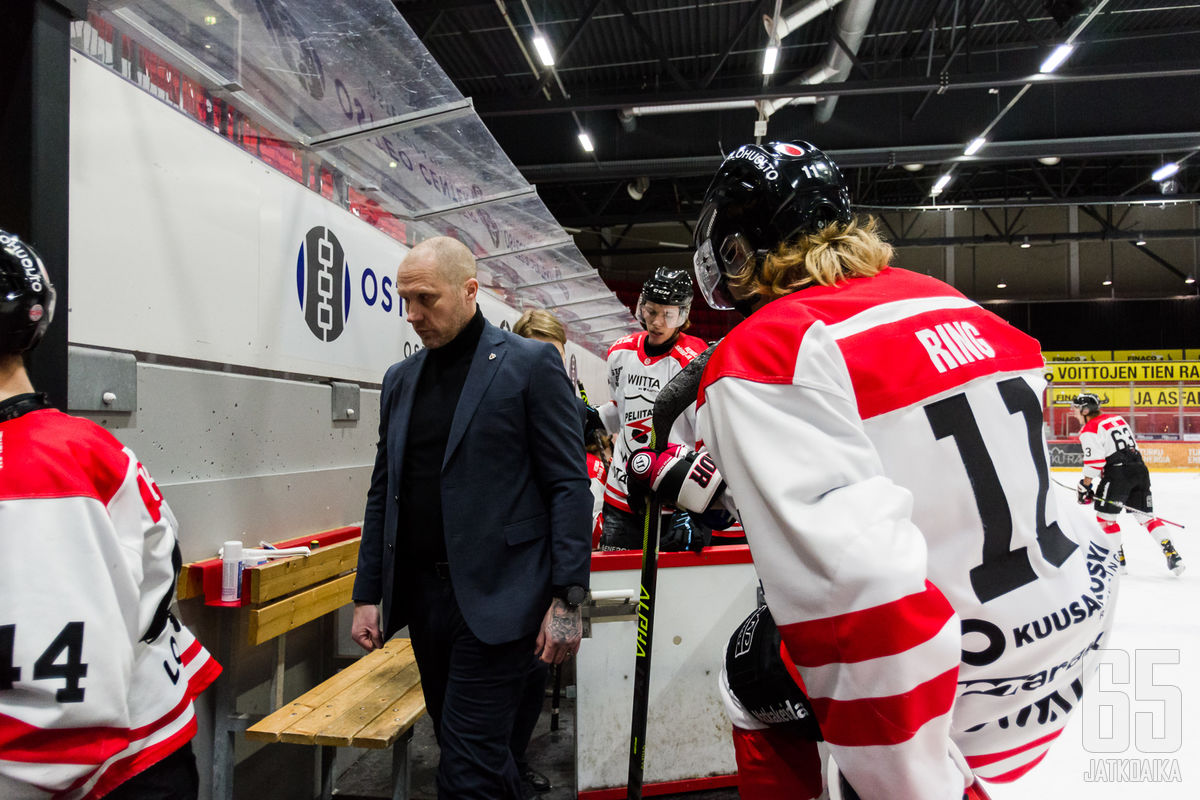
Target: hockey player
(97,677)
(1111,454)
(639,365)
(881,438)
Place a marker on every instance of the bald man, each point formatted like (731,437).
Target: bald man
(476,533)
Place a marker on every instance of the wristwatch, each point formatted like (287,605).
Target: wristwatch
(572,595)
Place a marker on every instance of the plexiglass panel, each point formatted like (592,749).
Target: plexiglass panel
(322,65)
(443,164)
(341,96)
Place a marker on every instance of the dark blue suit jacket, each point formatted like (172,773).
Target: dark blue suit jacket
(515,498)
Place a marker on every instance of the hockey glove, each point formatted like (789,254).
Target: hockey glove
(685,533)
(1084,493)
(683,478)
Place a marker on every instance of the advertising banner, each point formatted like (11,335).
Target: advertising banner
(1159,456)
(1126,397)
(1147,355)
(1127,372)
(1076,355)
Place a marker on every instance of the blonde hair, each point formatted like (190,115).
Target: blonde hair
(851,250)
(538,323)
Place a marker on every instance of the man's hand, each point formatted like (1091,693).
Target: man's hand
(1084,492)
(562,628)
(364,629)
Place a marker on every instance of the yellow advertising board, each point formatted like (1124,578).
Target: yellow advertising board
(1171,456)
(1124,372)
(1147,355)
(1077,355)
(1123,397)
(1191,355)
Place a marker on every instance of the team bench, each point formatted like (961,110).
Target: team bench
(371,704)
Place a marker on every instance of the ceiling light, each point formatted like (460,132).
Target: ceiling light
(993,90)
(585,142)
(1165,171)
(1056,58)
(545,54)
(975,146)
(1189,279)
(1106,282)
(1049,161)
(770,58)
(210,19)
(914,167)
(1025,245)
(1001,285)
(392,164)
(940,185)
(1141,241)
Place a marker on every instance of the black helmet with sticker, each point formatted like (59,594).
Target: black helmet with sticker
(26,295)
(668,286)
(761,197)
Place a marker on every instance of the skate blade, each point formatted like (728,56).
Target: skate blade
(1178,570)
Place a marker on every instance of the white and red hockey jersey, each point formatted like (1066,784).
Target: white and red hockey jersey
(882,440)
(1107,439)
(96,677)
(634,381)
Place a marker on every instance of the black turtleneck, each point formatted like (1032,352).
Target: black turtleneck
(436,398)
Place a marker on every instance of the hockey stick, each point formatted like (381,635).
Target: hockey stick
(1121,505)
(675,397)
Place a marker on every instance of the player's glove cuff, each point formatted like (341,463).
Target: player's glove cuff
(683,478)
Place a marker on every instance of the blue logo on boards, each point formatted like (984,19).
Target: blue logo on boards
(322,278)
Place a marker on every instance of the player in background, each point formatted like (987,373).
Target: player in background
(97,677)
(599,455)
(1111,454)
(639,366)
(881,436)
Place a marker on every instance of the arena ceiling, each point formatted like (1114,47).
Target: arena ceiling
(894,90)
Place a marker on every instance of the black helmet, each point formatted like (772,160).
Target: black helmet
(761,197)
(667,287)
(1087,403)
(26,295)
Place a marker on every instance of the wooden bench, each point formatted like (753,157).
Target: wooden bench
(373,703)
(370,704)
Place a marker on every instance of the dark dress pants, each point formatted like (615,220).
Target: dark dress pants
(533,697)
(472,692)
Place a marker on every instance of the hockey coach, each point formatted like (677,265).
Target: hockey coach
(477,528)
(881,435)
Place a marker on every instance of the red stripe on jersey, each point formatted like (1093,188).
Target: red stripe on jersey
(685,349)
(873,721)
(59,456)
(875,632)
(901,363)
(763,347)
(992,758)
(891,366)
(191,651)
(630,342)
(20,741)
(136,763)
